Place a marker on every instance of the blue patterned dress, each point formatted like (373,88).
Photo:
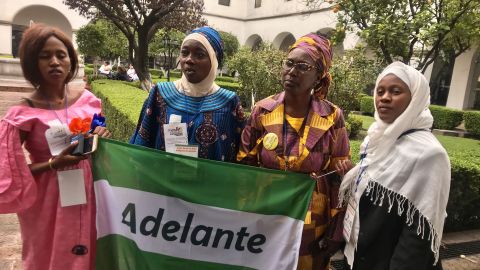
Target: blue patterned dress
(214,122)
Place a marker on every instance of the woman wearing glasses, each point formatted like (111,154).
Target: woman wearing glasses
(298,130)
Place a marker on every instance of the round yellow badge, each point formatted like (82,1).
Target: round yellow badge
(270,141)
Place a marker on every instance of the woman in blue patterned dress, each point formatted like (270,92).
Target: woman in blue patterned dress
(214,116)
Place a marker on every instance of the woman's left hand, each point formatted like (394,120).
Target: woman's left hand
(102,132)
(343,166)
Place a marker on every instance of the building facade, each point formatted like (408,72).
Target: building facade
(16,15)
(455,84)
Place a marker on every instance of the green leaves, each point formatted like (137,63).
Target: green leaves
(401,30)
(259,71)
(230,43)
(353,73)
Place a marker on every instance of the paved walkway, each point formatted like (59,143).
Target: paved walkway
(10,240)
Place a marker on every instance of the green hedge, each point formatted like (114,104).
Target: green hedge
(366,105)
(445,118)
(472,122)
(226,79)
(176,73)
(121,105)
(354,125)
(464,201)
(463,207)
(228,85)
(156,72)
(88,70)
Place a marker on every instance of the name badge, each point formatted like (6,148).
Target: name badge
(71,186)
(57,137)
(349,218)
(175,118)
(187,150)
(175,133)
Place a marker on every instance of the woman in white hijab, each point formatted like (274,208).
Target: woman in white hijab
(397,195)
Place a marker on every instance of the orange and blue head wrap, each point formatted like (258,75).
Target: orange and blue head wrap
(320,50)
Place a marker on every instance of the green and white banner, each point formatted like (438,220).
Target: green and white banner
(157,210)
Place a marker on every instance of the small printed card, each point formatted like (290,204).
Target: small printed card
(71,185)
(186,150)
(57,137)
(175,133)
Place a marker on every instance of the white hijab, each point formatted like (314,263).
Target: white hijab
(413,170)
(207,86)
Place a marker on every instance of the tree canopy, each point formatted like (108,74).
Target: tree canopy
(230,43)
(410,30)
(103,39)
(140,20)
(259,71)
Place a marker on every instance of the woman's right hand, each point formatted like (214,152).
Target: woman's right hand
(65,159)
(343,166)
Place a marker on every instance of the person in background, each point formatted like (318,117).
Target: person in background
(213,116)
(132,73)
(54,237)
(105,69)
(299,130)
(397,195)
(121,74)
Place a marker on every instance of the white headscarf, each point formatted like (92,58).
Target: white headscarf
(207,86)
(414,171)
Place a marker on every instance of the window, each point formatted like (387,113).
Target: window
(224,2)
(258,3)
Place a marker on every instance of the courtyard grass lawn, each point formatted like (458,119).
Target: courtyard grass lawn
(367,120)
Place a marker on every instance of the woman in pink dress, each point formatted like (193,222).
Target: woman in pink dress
(54,237)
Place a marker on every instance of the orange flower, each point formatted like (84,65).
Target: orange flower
(79,125)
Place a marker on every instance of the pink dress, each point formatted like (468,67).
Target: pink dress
(49,231)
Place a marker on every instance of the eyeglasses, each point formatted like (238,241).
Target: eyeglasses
(300,66)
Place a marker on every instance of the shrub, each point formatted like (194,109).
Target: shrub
(366,105)
(227,85)
(259,71)
(226,79)
(472,122)
(353,73)
(121,105)
(175,73)
(354,125)
(157,72)
(463,207)
(464,200)
(88,71)
(445,118)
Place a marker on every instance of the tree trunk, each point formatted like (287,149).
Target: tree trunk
(141,59)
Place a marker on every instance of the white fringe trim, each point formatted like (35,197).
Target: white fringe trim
(377,193)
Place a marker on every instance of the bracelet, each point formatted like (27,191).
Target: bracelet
(50,163)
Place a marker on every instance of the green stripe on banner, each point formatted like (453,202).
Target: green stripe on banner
(121,253)
(201,181)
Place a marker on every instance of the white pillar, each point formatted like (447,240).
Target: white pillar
(6,34)
(428,72)
(461,84)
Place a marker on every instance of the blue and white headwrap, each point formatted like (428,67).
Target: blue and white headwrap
(214,39)
(211,41)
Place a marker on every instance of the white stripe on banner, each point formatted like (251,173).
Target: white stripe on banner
(159,224)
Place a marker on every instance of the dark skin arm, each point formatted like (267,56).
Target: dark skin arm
(64,159)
